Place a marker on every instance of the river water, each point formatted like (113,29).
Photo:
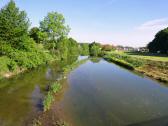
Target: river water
(99,93)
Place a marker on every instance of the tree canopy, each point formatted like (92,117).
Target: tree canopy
(13,25)
(54,25)
(84,49)
(95,49)
(160,42)
(34,33)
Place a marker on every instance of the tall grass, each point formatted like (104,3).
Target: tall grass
(54,88)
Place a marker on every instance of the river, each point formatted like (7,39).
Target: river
(99,93)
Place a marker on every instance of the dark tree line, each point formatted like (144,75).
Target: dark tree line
(160,42)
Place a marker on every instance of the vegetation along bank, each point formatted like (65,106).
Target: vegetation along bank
(152,68)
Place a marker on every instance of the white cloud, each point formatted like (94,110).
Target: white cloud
(157,24)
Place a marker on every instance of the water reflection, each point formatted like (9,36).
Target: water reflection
(103,94)
(21,96)
(37,98)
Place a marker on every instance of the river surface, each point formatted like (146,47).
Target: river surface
(98,94)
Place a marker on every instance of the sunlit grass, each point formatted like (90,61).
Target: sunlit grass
(48,100)
(54,88)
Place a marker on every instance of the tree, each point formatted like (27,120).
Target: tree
(160,42)
(107,47)
(84,49)
(94,49)
(62,48)
(54,25)
(34,33)
(73,47)
(13,25)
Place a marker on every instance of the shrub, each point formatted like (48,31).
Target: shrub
(12,65)
(4,61)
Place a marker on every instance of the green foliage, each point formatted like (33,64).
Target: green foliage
(54,25)
(56,87)
(43,37)
(108,48)
(94,49)
(24,50)
(34,34)
(73,48)
(12,66)
(7,65)
(17,49)
(62,48)
(4,62)
(160,42)
(119,62)
(13,24)
(66,47)
(84,49)
(136,62)
(47,101)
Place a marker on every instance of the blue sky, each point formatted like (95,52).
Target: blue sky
(119,22)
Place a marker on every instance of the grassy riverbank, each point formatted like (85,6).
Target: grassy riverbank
(149,66)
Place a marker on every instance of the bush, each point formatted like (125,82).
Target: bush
(30,59)
(12,65)
(4,61)
(7,64)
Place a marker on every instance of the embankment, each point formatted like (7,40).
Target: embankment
(154,69)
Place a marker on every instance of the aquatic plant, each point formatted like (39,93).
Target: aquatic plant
(55,87)
(47,101)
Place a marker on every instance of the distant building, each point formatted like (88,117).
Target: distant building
(122,48)
(143,49)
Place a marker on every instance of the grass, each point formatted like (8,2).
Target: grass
(120,62)
(156,67)
(149,56)
(135,62)
(47,101)
(54,88)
